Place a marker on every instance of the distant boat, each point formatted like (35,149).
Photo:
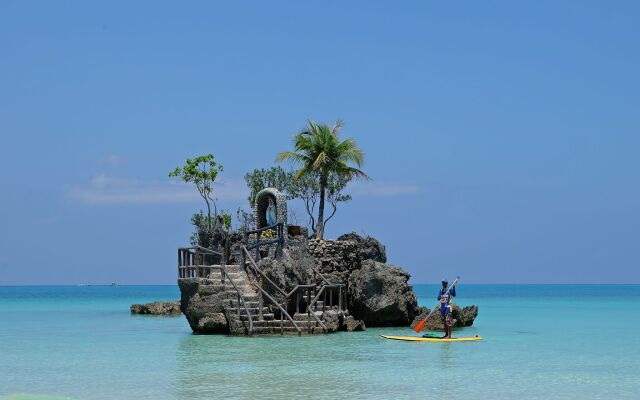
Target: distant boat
(114,283)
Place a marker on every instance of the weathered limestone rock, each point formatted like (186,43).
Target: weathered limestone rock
(202,305)
(213,323)
(462,316)
(368,248)
(295,266)
(335,259)
(380,295)
(157,308)
(377,294)
(332,320)
(353,325)
(339,322)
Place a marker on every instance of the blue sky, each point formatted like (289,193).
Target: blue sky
(502,137)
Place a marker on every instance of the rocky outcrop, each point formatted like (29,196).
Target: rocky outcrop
(368,248)
(377,294)
(213,323)
(335,259)
(462,317)
(353,325)
(202,304)
(336,321)
(380,295)
(157,308)
(294,267)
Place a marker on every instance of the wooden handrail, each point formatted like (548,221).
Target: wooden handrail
(321,276)
(196,247)
(207,250)
(262,243)
(240,296)
(264,228)
(294,290)
(255,267)
(282,310)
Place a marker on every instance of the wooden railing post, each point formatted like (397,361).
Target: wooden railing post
(324,302)
(309,309)
(243,256)
(331,299)
(260,316)
(258,246)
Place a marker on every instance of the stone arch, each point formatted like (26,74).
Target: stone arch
(260,208)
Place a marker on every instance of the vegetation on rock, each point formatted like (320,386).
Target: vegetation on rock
(321,155)
(202,171)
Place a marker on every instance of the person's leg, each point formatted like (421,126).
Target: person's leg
(444,322)
(449,322)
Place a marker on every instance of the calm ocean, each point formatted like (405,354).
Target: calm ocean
(541,342)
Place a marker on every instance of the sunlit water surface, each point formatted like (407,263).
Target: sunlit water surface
(541,341)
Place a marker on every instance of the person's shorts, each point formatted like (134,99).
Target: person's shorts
(445,310)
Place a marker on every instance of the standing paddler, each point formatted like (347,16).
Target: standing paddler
(444,297)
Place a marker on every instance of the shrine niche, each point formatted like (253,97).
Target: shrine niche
(270,208)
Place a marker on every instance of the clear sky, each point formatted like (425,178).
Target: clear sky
(502,136)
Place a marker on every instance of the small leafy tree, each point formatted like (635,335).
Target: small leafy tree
(307,188)
(201,171)
(319,152)
(244,218)
(275,177)
(203,223)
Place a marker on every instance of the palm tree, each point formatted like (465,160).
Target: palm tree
(320,152)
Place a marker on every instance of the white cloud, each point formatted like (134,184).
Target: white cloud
(383,189)
(106,190)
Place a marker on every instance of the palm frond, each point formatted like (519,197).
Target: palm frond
(321,160)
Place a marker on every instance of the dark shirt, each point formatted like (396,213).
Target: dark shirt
(445,299)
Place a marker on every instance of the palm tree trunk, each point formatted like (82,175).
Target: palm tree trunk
(320,223)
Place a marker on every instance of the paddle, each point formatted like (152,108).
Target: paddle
(422,323)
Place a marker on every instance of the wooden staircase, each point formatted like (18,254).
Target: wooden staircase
(264,320)
(243,296)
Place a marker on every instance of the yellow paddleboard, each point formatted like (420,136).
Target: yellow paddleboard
(428,339)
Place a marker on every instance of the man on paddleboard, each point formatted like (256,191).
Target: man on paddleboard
(445,306)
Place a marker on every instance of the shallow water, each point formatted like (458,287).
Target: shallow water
(541,341)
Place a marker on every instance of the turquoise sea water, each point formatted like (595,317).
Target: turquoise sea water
(541,341)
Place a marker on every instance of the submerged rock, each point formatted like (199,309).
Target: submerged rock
(380,295)
(340,322)
(353,325)
(462,316)
(157,308)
